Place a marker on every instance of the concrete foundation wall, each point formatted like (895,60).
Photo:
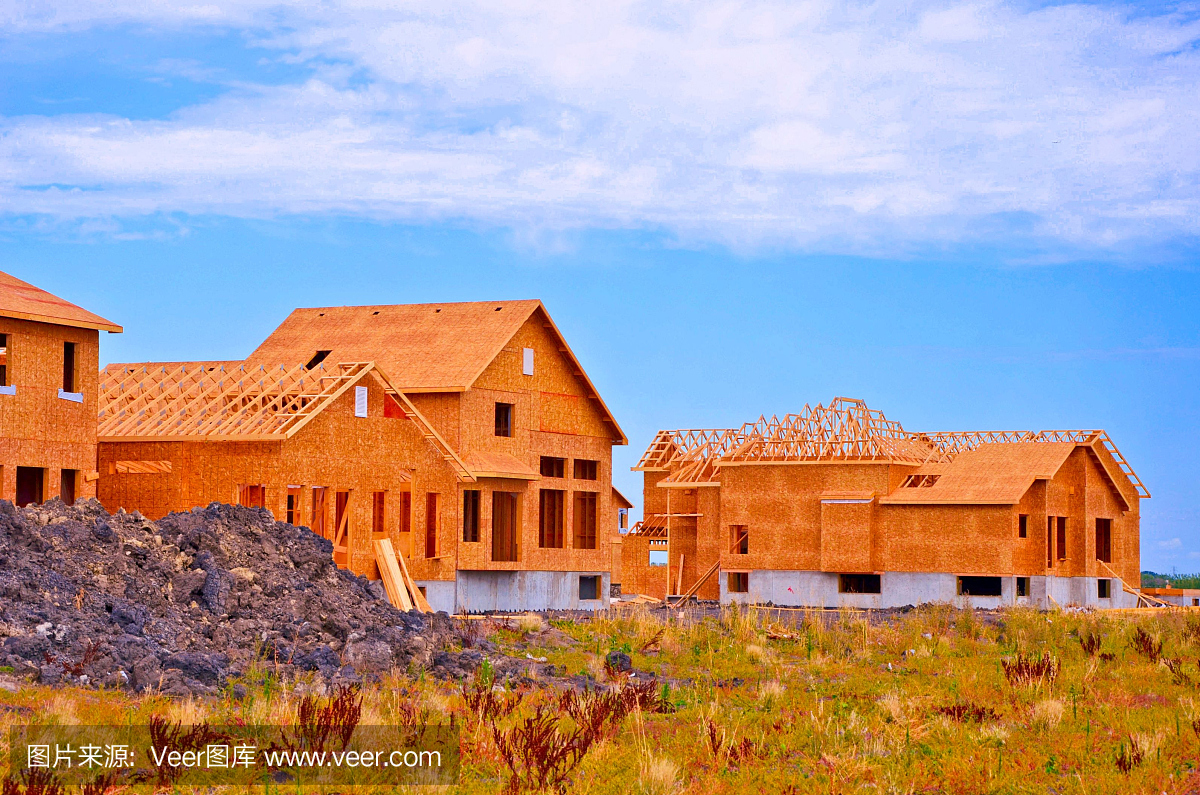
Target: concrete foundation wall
(512,591)
(439,594)
(898,589)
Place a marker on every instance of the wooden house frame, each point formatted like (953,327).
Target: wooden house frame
(49,360)
(500,505)
(838,505)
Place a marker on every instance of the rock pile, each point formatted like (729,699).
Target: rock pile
(181,604)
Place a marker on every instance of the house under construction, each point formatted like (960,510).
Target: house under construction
(465,436)
(838,505)
(49,360)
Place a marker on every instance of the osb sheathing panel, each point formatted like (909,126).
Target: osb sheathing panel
(957,539)
(781,506)
(37,427)
(1029,554)
(846,538)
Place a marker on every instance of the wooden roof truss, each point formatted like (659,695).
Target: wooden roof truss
(241,403)
(845,430)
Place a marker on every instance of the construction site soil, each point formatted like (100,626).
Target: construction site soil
(183,604)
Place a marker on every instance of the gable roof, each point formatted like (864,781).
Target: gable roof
(425,347)
(23,301)
(206,400)
(992,473)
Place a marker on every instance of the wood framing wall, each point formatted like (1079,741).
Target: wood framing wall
(38,428)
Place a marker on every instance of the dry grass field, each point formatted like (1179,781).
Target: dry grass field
(759,701)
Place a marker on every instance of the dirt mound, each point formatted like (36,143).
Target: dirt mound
(181,604)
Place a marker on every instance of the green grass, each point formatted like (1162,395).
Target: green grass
(821,702)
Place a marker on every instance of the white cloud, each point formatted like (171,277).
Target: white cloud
(812,123)
(1171,543)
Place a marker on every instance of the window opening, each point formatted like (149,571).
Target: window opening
(470,515)
(1049,541)
(589,587)
(341,503)
(859,583)
(67,480)
(1022,586)
(3,360)
(585,469)
(292,507)
(738,582)
(739,539)
(1062,537)
(70,382)
(527,361)
(504,526)
(553,467)
(405,512)
(318,512)
(431,525)
(1023,526)
(379,512)
(979,586)
(504,419)
(1104,540)
(1104,589)
(585,520)
(551,509)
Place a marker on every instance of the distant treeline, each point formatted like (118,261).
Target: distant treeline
(1152,579)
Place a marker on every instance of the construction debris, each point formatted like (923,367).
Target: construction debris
(183,604)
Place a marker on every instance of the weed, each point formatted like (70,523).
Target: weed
(485,705)
(654,642)
(163,733)
(1175,666)
(722,747)
(1031,671)
(1147,645)
(968,712)
(1090,643)
(538,754)
(32,782)
(317,723)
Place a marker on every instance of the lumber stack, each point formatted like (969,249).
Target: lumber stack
(402,591)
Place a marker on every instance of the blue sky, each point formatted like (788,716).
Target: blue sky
(972,215)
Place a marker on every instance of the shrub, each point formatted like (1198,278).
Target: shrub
(1090,643)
